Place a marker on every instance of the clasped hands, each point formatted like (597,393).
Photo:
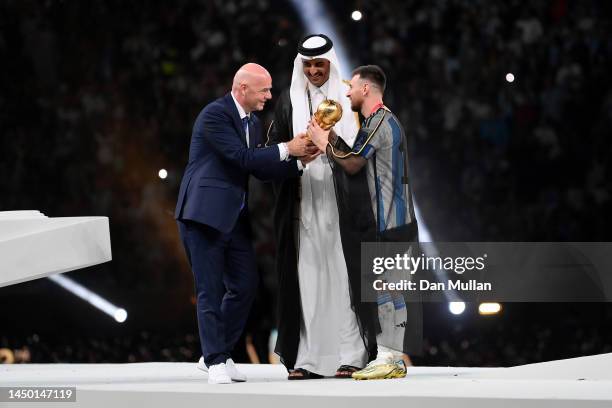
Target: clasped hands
(308,145)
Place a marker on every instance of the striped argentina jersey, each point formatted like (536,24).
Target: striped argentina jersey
(382,142)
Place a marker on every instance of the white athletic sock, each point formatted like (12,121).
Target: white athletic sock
(383,352)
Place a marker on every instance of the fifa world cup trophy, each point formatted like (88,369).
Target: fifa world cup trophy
(328,113)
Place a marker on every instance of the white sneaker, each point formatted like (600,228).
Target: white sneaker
(231,368)
(201,365)
(233,371)
(217,374)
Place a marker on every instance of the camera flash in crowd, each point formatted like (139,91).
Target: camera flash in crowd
(163,173)
(356,15)
(510,77)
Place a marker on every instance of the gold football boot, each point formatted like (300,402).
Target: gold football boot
(384,367)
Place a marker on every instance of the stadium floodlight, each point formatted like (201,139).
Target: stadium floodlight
(489,308)
(456,308)
(97,301)
(120,315)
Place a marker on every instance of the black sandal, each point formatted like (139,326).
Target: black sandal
(304,374)
(346,371)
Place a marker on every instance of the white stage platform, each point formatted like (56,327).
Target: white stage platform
(580,382)
(33,245)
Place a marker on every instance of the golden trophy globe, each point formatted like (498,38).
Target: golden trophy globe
(328,113)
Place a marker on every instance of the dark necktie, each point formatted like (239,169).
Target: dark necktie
(245,127)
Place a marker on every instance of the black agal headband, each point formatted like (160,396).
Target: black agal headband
(313,52)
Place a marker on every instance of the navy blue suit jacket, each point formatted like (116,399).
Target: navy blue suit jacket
(216,177)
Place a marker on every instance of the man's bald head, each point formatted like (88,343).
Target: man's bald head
(250,72)
(252,86)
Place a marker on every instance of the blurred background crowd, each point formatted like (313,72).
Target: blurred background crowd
(96,97)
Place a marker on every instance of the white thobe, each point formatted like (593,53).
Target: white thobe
(329,335)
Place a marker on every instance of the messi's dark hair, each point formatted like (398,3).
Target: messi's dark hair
(372,73)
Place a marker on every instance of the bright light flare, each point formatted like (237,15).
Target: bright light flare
(456,308)
(163,173)
(97,301)
(510,77)
(120,315)
(489,308)
(356,15)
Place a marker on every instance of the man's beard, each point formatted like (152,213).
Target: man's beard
(316,79)
(355,107)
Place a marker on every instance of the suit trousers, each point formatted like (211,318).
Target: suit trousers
(226,280)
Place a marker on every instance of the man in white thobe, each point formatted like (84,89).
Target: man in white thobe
(319,334)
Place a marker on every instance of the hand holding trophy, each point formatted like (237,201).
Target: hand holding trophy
(329,112)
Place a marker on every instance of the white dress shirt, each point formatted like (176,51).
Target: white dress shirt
(318,94)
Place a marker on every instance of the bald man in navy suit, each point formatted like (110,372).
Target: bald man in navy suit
(212,211)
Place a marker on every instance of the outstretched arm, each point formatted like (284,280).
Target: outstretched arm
(216,129)
(335,148)
(264,163)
